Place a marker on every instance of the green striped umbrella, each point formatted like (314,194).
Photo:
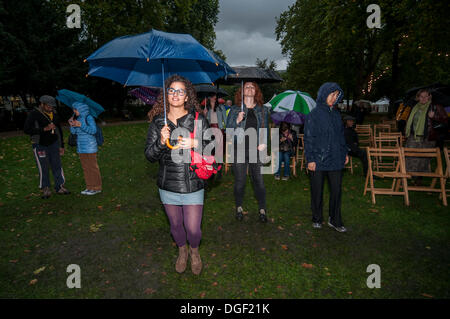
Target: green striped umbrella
(292,101)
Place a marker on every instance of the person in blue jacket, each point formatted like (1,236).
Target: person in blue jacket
(326,154)
(85,128)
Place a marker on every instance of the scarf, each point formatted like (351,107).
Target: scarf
(419,124)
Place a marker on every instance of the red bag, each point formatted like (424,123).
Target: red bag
(204,166)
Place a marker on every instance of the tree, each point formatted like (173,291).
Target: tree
(329,40)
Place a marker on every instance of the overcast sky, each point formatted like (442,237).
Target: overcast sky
(246,31)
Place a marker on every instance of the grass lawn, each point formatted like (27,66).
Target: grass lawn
(122,243)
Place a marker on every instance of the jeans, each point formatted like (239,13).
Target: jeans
(284,157)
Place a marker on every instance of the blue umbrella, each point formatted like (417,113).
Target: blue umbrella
(69,97)
(292,117)
(146,59)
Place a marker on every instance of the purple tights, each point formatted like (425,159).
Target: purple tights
(184,220)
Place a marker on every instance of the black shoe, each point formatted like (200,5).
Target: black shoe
(239,213)
(262,216)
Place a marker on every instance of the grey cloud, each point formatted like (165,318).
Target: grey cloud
(246,30)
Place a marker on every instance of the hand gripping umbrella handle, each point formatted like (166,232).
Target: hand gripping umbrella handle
(173,147)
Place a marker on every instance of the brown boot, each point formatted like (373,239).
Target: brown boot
(180,266)
(196,262)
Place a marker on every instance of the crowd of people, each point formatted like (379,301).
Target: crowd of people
(328,142)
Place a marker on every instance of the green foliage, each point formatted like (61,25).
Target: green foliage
(329,40)
(40,54)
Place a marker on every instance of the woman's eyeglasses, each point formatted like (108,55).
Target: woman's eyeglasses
(180,92)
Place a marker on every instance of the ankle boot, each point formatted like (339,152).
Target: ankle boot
(196,262)
(180,266)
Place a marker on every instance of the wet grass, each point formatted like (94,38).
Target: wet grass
(121,240)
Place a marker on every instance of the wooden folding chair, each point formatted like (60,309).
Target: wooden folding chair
(447,170)
(432,153)
(300,152)
(350,164)
(392,123)
(384,141)
(396,135)
(227,162)
(397,174)
(365,134)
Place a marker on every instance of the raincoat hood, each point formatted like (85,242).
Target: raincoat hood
(325,90)
(82,108)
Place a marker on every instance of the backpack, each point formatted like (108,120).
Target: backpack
(99,136)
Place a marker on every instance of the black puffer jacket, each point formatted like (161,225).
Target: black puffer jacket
(172,176)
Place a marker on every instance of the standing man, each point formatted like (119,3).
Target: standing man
(326,154)
(351,138)
(43,125)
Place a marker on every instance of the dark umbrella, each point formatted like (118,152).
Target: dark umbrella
(292,117)
(206,89)
(411,93)
(438,97)
(250,74)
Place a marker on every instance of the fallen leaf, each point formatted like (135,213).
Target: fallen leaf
(100,207)
(149,291)
(427,295)
(280,228)
(215,283)
(305,265)
(220,228)
(349,292)
(37,271)
(14,261)
(285,247)
(263,249)
(34,281)
(202,295)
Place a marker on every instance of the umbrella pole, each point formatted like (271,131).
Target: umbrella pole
(242,95)
(164,92)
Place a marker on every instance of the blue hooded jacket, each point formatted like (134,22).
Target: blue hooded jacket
(86,141)
(324,132)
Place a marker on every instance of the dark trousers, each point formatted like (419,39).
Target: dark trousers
(48,156)
(362,155)
(240,179)
(335,183)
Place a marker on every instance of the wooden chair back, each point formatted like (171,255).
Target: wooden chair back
(436,176)
(397,174)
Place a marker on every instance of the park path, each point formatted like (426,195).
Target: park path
(8,134)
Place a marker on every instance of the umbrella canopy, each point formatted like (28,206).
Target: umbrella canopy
(292,117)
(293,101)
(68,97)
(206,89)
(440,97)
(147,59)
(251,74)
(145,94)
(411,93)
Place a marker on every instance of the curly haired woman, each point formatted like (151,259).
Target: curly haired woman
(181,190)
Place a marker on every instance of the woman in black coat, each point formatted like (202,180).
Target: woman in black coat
(180,189)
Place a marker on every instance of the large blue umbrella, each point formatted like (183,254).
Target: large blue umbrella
(69,97)
(147,59)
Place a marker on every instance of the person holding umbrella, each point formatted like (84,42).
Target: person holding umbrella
(82,124)
(43,125)
(326,154)
(248,115)
(181,190)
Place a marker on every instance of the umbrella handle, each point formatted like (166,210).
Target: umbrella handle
(173,147)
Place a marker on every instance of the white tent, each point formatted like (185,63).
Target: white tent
(381,106)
